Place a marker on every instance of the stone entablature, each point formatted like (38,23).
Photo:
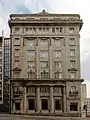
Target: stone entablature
(45,16)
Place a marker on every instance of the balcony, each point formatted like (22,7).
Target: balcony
(17,69)
(17,94)
(73,93)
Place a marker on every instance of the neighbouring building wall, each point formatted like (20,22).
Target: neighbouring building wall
(7,72)
(1,68)
(83,94)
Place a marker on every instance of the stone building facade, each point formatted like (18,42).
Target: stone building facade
(45,64)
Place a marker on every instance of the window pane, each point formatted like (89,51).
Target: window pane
(17,41)
(43,53)
(73,106)
(31,65)
(31,53)
(57,75)
(73,88)
(44,64)
(57,53)
(72,41)
(73,74)
(44,75)
(72,52)
(72,63)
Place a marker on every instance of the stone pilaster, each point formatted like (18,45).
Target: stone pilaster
(37,58)
(51,100)
(38,105)
(50,58)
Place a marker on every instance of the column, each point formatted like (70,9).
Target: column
(64,100)
(38,105)
(14,110)
(21,106)
(24,100)
(51,100)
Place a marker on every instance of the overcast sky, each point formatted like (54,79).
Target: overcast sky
(81,7)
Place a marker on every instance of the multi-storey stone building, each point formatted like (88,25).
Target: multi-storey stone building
(45,64)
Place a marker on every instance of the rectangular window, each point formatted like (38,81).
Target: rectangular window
(17,106)
(17,41)
(17,50)
(43,53)
(73,88)
(44,64)
(61,29)
(17,29)
(31,74)
(0,61)
(72,41)
(71,30)
(57,90)
(58,104)
(0,98)
(34,30)
(44,104)
(31,65)
(0,76)
(44,42)
(72,63)
(53,30)
(44,90)
(0,92)
(72,52)
(0,69)
(73,74)
(44,75)
(26,29)
(73,106)
(31,104)
(57,42)
(31,53)
(57,75)
(0,54)
(57,65)
(17,53)
(17,64)
(40,30)
(16,74)
(0,84)
(31,90)
(57,53)
(30,44)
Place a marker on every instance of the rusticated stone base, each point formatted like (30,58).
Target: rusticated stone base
(48,117)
